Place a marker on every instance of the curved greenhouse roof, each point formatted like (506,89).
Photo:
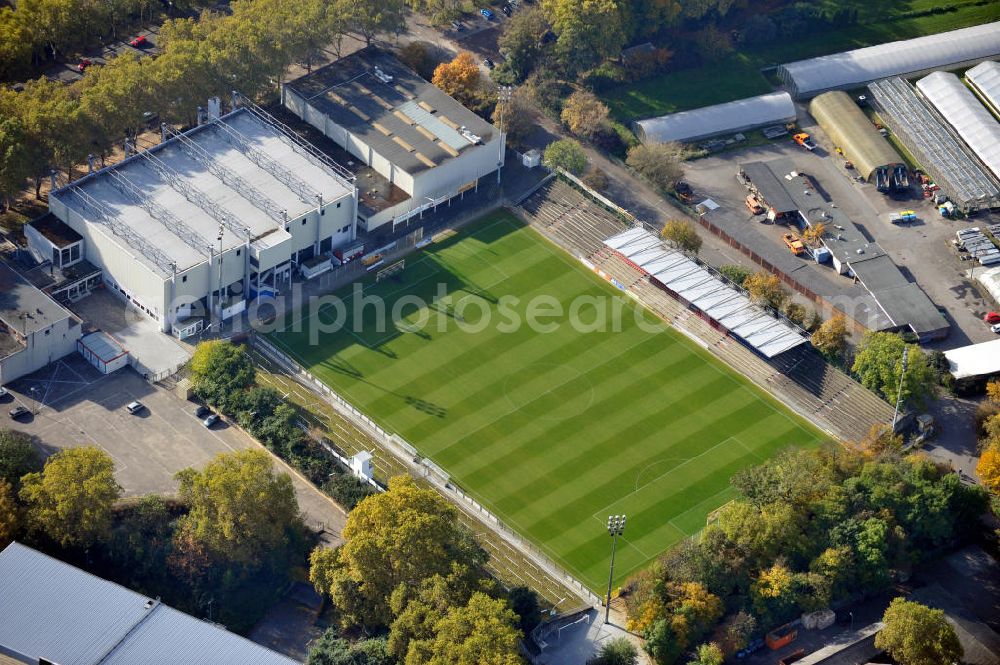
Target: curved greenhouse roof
(806,78)
(985,79)
(963,111)
(850,129)
(728,118)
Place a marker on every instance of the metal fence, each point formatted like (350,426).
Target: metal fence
(430,471)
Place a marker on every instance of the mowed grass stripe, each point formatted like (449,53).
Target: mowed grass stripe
(552,430)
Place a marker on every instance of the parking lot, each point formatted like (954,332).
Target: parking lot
(922,249)
(78,406)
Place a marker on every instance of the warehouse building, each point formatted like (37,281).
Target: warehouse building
(410,132)
(905,305)
(909,57)
(970,119)
(55,613)
(925,134)
(718,120)
(851,130)
(195,228)
(984,79)
(34,329)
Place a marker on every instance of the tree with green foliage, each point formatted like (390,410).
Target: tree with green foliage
(915,634)
(331,649)
(520,43)
(399,537)
(617,651)
(15,158)
(71,499)
(766,289)
(709,653)
(659,163)
(141,539)
(565,154)
(584,114)
(830,338)
(239,509)
(663,643)
(221,372)
(736,274)
(682,235)
(18,456)
(587,31)
(878,364)
(482,632)
(10,515)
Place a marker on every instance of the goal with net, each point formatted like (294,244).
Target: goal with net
(390,270)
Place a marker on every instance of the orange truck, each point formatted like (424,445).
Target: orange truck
(804,140)
(754,205)
(793,243)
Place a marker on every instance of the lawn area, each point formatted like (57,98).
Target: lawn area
(739,75)
(554,429)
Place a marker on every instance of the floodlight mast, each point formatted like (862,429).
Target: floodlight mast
(616,526)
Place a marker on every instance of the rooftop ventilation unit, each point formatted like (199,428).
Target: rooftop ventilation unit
(382,76)
(469,136)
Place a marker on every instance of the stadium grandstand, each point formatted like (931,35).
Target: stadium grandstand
(910,57)
(200,224)
(946,159)
(967,116)
(851,130)
(719,300)
(984,79)
(720,119)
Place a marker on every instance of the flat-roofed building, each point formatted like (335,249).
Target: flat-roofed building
(410,132)
(209,219)
(34,329)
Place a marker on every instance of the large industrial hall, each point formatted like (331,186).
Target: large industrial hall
(197,226)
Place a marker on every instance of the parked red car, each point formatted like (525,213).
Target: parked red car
(86,62)
(992,317)
(139,42)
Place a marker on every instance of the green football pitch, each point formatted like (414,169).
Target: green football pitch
(553,426)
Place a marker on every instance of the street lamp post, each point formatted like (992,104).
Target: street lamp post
(616,526)
(899,390)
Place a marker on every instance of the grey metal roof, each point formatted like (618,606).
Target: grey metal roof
(766,177)
(851,130)
(169,636)
(861,66)
(101,345)
(712,295)
(52,610)
(23,307)
(985,79)
(731,117)
(963,111)
(405,119)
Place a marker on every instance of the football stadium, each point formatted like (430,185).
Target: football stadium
(545,392)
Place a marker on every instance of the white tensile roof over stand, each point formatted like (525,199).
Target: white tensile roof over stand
(720,300)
